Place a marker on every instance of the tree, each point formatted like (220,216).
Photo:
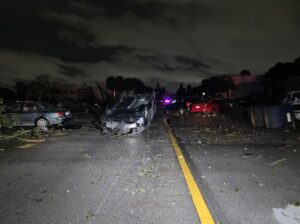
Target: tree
(245,72)
(110,83)
(157,85)
(218,84)
(189,89)
(120,85)
(8,94)
(21,89)
(276,79)
(180,92)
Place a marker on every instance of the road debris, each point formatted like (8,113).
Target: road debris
(297,203)
(34,140)
(59,134)
(26,146)
(278,161)
(141,189)
(230,128)
(288,215)
(87,156)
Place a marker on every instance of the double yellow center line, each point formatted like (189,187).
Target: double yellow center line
(198,200)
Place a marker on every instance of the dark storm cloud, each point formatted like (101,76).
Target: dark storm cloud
(28,31)
(155,62)
(117,8)
(180,63)
(72,71)
(183,40)
(192,64)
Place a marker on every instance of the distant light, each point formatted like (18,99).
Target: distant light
(203,93)
(167,100)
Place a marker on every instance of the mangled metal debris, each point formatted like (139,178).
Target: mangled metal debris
(131,115)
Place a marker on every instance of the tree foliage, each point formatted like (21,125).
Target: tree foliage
(38,90)
(276,79)
(217,84)
(120,84)
(6,122)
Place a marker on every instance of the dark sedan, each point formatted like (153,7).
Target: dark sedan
(39,114)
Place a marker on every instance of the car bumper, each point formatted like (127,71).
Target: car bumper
(59,120)
(122,127)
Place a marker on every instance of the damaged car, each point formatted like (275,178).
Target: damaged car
(131,115)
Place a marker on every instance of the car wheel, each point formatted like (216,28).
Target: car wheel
(42,123)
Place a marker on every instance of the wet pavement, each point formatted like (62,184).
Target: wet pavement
(79,176)
(246,175)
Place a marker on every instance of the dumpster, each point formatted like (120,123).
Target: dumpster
(256,116)
(288,113)
(278,116)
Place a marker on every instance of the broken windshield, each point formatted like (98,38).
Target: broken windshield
(125,103)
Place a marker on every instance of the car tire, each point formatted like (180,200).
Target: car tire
(41,123)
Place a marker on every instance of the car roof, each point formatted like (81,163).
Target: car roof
(31,102)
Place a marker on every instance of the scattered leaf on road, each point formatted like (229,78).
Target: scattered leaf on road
(26,146)
(141,189)
(278,161)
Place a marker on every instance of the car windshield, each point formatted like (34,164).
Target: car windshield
(125,103)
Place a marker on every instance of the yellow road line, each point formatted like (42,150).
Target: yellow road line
(198,200)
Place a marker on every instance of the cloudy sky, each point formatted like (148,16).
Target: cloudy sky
(164,40)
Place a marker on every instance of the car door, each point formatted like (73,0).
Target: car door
(28,113)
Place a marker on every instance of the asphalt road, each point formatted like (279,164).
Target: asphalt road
(242,183)
(79,176)
(83,177)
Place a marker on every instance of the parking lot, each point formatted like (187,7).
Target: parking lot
(245,175)
(80,176)
(248,175)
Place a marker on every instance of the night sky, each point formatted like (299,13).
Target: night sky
(163,40)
